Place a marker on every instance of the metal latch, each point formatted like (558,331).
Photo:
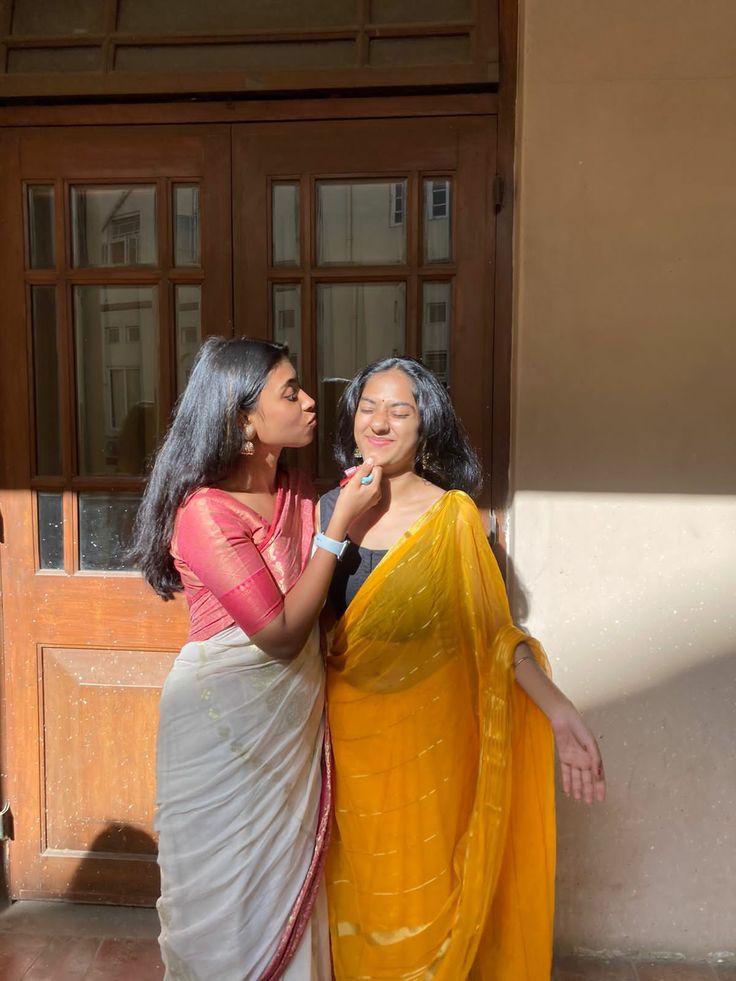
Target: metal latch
(6,823)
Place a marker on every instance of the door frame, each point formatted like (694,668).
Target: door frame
(15,118)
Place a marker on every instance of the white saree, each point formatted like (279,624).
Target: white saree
(243,814)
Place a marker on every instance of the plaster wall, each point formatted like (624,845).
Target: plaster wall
(623,516)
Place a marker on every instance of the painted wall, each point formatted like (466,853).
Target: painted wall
(623,522)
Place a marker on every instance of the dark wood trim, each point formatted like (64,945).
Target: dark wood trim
(503,285)
(306,110)
(243,83)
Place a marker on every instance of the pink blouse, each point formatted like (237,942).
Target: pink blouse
(235,567)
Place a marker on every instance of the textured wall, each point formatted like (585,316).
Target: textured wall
(623,523)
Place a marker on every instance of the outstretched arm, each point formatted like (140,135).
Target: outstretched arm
(577,749)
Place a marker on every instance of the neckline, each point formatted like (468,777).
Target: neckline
(269,527)
(412,527)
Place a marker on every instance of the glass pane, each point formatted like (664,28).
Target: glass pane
(285,224)
(236,56)
(401,51)
(105,530)
(437,220)
(41,249)
(188,331)
(361,223)
(436,312)
(356,323)
(186,226)
(33,61)
(231,16)
(117,377)
(114,226)
(46,380)
(287,320)
(50,531)
(44,18)
(420,11)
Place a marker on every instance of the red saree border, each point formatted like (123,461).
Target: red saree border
(304,904)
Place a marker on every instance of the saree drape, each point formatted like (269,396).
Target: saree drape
(441,864)
(243,814)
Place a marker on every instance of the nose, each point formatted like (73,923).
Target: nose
(308,403)
(379,421)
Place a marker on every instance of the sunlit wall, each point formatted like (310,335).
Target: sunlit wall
(623,523)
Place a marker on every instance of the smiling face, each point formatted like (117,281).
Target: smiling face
(387,422)
(284,414)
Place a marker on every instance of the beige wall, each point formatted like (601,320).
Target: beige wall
(623,523)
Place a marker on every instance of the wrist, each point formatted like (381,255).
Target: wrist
(336,529)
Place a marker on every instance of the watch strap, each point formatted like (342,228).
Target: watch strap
(330,544)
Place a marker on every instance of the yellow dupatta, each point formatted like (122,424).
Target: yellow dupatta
(442,859)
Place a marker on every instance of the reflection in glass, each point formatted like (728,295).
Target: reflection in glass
(287,320)
(436,312)
(105,530)
(285,224)
(363,223)
(186,226)
(117,378)
(356,323)
(114,226)
(46,380)
(437,220)
(188,302)
(41,248)
(50,531)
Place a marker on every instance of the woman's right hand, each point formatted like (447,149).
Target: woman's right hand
(356,498)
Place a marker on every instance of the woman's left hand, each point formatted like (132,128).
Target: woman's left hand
(580,758)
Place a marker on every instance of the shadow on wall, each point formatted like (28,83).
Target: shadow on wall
(668,781)
(118,843)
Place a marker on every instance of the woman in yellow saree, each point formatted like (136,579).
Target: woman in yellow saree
(442,716)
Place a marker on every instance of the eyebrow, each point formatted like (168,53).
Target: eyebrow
(366,398)
(291,383)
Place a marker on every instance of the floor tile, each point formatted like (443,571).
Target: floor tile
(123,960)
(18,951)
(64,959)
(675,971)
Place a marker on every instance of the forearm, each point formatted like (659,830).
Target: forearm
(286,634)
(538,686)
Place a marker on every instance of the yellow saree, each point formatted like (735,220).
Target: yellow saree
(442,859)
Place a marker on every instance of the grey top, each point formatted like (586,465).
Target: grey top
(353,568)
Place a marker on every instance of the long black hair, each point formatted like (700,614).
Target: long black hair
(202,446)
(444,454)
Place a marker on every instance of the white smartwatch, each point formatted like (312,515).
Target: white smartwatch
(331,544)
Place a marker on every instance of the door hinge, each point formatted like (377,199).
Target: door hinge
(498,191)
(6,823)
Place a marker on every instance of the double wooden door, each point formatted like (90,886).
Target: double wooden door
(121,248)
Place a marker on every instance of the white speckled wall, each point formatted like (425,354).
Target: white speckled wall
(623,521)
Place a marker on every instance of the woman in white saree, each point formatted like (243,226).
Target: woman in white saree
(244,769)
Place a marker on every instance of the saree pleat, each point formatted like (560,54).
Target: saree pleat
(442,858)
(243,814)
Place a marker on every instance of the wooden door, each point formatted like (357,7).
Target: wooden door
(355,240)
(115,252)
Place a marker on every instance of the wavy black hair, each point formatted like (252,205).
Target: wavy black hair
(202,446)
(444,454)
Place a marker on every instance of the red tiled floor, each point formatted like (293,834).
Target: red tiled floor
(122,960)
(69,958)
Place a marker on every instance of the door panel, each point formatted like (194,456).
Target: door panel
(356,240)
(353,240)
(125,263)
